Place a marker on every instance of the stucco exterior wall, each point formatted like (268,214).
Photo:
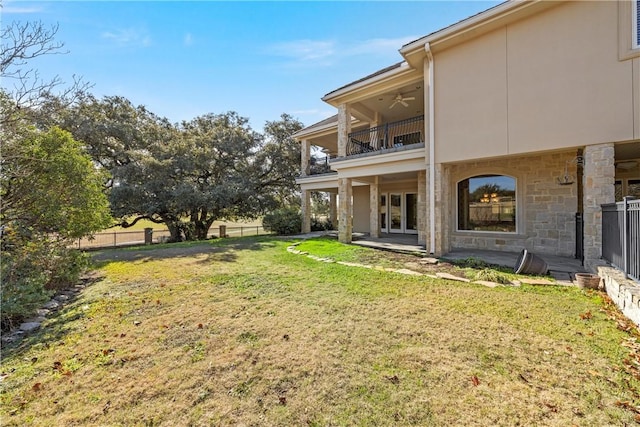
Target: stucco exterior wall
(551,81)
(361,209)
(546,210)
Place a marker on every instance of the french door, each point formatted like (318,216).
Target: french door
(399,213)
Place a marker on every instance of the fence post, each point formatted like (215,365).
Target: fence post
(223,231)
(241,231)
(626,235)
(115,237)
(148,236)
(257,231)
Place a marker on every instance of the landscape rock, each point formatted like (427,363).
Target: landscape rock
(29,326)
(52,305)
(487,283)
(12,337)
(452,277)
(61,298)
(407,271)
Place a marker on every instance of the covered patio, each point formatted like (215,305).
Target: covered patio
(561,268)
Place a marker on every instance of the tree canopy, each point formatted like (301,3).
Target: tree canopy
(187,175)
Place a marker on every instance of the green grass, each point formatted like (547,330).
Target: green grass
(242,332)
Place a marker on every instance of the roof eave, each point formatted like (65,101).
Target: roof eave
(332,96)
(483,20)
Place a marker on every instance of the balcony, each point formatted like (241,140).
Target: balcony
(319,165)
(388,136)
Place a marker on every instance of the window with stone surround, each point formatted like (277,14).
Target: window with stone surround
(487,203)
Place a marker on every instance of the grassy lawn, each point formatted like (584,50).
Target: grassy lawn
(242,332)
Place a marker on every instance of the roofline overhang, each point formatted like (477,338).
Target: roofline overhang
(335,98)
(324,130)
(483,22)
(318,131)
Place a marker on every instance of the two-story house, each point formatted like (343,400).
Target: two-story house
(507,130)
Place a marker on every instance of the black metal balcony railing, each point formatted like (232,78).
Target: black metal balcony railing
(390,135)
(621,236)
(319,165)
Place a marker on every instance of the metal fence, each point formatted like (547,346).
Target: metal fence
(132,238)
(621,236)
(390,135)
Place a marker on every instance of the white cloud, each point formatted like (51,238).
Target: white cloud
(327,52)
(128,37)
(188,39)
(378,46)
(7,9)
(313,52)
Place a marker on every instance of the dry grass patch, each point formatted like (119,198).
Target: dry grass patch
(241,332)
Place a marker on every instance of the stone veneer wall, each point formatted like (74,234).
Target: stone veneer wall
(599,176)
(545,210)
(422,207)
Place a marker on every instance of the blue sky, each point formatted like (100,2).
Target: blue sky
(260,59)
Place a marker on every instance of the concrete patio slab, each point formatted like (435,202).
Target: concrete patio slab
(556,264)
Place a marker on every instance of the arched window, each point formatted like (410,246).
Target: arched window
(487,203)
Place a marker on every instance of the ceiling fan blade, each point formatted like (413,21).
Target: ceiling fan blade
(409,98)
(404,103)
(393,105)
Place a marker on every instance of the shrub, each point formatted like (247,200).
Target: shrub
(32,267)
(320,225)
(23,277)
(283,221)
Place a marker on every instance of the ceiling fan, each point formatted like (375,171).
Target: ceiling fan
(399,99)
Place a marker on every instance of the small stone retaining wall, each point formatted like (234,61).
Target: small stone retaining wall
(625,293)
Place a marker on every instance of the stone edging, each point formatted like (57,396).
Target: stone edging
(292,249)
(32,324)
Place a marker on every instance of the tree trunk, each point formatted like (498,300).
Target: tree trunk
(175,231)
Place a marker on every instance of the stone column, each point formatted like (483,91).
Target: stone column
(306,210)
(333,217)
(305,154)
(442,217)
(422,207)
(598,186)
(345,211)
(374,208)
(344,128)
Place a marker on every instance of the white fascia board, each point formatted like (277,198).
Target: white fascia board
(403,68)
(323,180)
(312,131)
(402,161)
(319,131)
(324,130)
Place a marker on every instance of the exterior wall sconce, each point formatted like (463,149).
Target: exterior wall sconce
(566,178)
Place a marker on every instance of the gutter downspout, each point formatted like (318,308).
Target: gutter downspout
(432,154)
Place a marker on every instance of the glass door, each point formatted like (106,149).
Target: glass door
(395,213)
(383,213)
(411,213)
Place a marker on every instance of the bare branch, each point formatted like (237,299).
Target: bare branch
(24,41)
